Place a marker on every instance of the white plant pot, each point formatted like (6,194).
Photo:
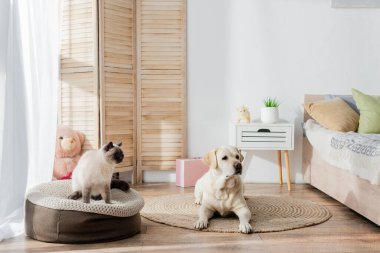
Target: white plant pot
(269,115)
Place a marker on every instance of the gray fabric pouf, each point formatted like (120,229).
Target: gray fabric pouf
(51,217)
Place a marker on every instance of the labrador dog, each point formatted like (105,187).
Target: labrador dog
(221,189)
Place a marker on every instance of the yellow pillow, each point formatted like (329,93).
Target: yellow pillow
(334,114)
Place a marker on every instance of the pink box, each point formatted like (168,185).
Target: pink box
(188,171)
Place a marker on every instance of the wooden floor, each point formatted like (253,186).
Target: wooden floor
(346,231)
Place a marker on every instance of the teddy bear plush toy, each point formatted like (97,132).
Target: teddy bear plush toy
(244,116)
(67,152)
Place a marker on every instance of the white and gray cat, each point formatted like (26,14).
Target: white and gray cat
(92,176)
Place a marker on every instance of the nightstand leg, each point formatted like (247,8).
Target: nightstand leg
(287,168)
(279,161)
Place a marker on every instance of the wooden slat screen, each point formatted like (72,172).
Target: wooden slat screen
(79,79)
(161,83)
(123,70)
(117,86)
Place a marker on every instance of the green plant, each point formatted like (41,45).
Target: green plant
(271,102)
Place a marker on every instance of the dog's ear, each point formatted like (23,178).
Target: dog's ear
(240,155)
(210,159)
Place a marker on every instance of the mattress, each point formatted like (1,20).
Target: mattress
(357,153)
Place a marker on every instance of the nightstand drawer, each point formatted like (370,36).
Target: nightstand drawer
(260,137)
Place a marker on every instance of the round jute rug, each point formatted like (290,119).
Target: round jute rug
(269,213)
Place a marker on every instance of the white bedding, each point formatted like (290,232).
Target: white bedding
(356,153)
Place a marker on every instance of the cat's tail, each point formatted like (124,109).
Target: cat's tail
(119,184)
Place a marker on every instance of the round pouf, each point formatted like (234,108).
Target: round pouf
(51,217)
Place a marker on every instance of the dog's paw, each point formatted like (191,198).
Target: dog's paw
(197,201)
(245,228)
(200,224)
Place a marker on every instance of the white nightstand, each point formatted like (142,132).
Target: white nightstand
(260,136)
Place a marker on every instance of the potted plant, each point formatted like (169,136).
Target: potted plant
(269,113)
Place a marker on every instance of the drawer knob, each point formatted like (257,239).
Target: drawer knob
(263,130)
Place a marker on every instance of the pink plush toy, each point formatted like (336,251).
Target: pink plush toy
(67,152)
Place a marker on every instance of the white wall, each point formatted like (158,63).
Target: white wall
(241,51)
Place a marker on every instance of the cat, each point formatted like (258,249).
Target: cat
(93,173)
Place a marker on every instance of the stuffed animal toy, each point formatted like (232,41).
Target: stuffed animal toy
(244,115)
(67,152)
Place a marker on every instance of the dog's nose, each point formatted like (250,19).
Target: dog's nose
(238,167)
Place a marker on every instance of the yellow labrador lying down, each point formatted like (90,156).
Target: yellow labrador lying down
(221,189)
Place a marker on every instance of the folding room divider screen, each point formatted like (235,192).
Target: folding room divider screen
(123,71)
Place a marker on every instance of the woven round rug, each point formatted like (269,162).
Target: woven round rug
(269,213)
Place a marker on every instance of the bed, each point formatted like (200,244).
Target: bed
(354,188)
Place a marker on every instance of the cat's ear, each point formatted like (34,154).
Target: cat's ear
(120,144)
(108,146)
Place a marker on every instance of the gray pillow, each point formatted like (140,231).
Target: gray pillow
(346,98)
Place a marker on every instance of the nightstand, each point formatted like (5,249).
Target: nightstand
(261,136)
